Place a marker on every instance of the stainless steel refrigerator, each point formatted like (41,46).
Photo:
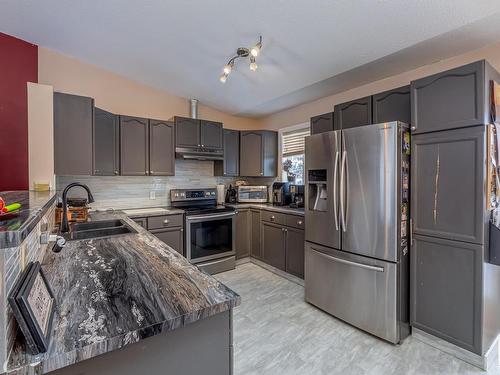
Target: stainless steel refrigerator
(357,213)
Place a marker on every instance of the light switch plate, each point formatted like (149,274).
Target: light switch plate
(152,194)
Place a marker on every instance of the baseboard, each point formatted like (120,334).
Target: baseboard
(489,360)
(278,272)
(243,260)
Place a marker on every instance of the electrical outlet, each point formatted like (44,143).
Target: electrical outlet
(152,194)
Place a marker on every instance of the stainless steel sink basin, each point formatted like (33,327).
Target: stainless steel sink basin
(98,229)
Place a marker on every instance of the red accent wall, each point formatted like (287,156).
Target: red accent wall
(18,65)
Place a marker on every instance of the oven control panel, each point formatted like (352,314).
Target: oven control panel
(177,195)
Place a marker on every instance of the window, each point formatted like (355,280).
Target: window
(293,147)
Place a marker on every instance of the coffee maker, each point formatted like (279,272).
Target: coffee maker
(297,196)
(281,194)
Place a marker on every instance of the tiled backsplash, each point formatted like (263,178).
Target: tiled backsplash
(134,191)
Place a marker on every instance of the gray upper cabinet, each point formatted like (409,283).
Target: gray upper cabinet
(211,135)
(187,132)
(258,153)
(448,184)
(392,105)
(354,113)
(446,290)
(73,123)
(452,99)
(230,166)
(134,146)
(106,143)
(161,148)
(322,123)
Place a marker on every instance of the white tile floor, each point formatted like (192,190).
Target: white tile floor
(276,332)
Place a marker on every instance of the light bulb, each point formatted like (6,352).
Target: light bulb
(223,78)
(227,69)
(253,64)
(255,50)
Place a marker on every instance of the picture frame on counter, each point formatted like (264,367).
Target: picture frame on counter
(33,304)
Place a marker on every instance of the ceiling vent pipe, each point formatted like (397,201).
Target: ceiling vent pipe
(193,108)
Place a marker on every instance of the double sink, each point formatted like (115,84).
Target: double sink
(98,229)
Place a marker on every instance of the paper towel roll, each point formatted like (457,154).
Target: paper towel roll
(220,194)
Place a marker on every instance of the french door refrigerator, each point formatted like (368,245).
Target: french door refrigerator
(356,209)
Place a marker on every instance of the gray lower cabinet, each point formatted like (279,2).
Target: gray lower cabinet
(452,99)
(106,143)
(73,123)
(134,146)
(446,290)
(256,249)
(353,113)
(174,237)
(258,153)
(448,194)
(273,245)
(161,148)
(230,166)
(322,123)
(392,105)
(142,221)
(295,240)
(243,225)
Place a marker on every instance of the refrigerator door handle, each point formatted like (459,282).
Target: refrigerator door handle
(335,173)
(342,190)
(350,262)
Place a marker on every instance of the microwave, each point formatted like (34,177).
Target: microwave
(252,194)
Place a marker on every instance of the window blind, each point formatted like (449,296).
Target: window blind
(294,141)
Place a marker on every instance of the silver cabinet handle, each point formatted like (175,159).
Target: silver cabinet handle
(272,218)
(335,173)
(300,222)
(342,189)
(166,221)
(413,128)
(182,229)
(350,262)
(116,172)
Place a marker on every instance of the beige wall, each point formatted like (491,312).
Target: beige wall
(119,94)
(304,112)
(40,134)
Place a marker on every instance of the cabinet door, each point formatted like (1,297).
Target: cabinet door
(172,237)
(106,143)
(270,154)
(211,134)
(142,221)
(322,123)
(187,132)
(354,113)
(448,184)
(231,164)
(295,252)
(392,105)
(273,245)
(256,248)
(161,148)
(73,122)
(446,286)
(134,153)
(242,233)
(251,154)
(451,99)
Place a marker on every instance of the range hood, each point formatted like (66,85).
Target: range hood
(199,153)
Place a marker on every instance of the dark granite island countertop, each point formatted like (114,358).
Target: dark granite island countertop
(115,291)
(16,227)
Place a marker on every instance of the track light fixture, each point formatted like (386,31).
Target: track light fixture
(251,53)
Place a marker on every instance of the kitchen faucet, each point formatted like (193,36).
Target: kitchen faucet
(64,222)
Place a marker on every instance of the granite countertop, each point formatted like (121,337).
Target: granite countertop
(15,228)
(268,207)
(115,291)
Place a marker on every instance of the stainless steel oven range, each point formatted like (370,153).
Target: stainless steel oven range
(209,229)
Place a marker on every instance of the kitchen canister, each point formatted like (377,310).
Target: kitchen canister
(220,194)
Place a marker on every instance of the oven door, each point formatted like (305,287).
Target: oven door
(210,236)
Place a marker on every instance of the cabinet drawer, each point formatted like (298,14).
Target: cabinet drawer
(273,217)
(142,221)
(166,221)
(295,221)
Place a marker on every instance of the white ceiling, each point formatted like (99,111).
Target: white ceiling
(309,46)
